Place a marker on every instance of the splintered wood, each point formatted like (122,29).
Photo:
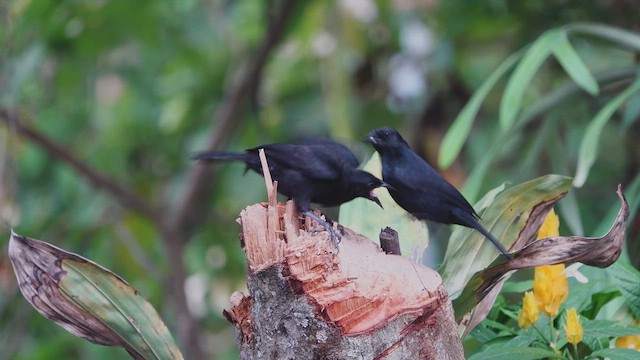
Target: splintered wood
(361,288)
(308,299)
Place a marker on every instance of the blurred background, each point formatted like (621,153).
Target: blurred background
(102,103)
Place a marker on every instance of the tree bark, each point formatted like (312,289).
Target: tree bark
(307,300)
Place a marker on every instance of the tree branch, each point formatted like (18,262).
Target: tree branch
(127,198)
(227,117)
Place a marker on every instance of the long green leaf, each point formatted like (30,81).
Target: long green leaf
(589,144)
(574,66)
(523,74)
(458,133)
(505,218)
(631,112)
(119,306)
(616,35)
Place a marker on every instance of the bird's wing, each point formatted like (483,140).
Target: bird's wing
(421,177)
(335,153)
(312,161)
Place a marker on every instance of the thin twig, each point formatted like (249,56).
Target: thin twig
(125,196)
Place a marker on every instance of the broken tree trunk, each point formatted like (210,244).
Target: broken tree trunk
(308,300)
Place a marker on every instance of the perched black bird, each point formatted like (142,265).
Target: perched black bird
(317,170)
(420,189)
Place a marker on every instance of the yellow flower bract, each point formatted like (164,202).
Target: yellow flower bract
(550,283)
(550,227)
(530,312)
(551,288)
(573,328)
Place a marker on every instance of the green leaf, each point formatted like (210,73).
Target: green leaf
(631,112)
(471,189)
(518,287)
(119,306)
(607,329)
(505,217)
(511,352)
(368,219)
(627,279)
(589,145)
(616,35)
(614,354)
(523,74)
(88,300)
(598,300)
(574,66)
(458,133)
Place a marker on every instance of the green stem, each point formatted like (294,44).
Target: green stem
(551,336)
(541,334)
(575,351)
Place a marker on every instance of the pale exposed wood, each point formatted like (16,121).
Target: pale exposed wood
(309,301)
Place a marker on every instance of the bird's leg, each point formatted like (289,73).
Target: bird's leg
(333,235)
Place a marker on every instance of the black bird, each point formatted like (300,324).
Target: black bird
(420,189)
(317,170)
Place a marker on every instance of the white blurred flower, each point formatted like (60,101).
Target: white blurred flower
(365,11)
(416,39)
(109,88)
(406,78)
(195,288)
(324,44)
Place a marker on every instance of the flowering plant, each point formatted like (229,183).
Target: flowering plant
(560,317)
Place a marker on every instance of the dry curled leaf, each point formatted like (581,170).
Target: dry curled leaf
(88,300)
(595,251)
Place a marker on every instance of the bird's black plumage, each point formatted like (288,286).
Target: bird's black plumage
(420,189)
(317,170)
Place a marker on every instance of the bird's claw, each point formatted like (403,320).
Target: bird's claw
(325,225)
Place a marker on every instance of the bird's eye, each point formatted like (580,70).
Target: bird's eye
(384,135)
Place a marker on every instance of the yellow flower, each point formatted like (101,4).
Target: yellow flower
(628,342)
(573,328)
(529,313)
(550,283)
(551,288)
(550,226)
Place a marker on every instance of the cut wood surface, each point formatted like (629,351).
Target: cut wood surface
(308,300)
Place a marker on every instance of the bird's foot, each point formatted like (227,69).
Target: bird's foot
(325,225)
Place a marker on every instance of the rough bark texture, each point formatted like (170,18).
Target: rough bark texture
(308,301)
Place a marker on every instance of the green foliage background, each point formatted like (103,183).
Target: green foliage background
(131,89)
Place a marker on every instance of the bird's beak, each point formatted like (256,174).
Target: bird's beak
(369,139)
(388,186)
(375,199)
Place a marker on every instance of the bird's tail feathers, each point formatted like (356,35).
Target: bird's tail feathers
(220,156)
(492,238)
(470,221)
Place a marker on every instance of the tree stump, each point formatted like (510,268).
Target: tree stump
(308,300)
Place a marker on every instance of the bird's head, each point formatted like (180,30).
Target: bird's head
(384,138)
(363,183)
